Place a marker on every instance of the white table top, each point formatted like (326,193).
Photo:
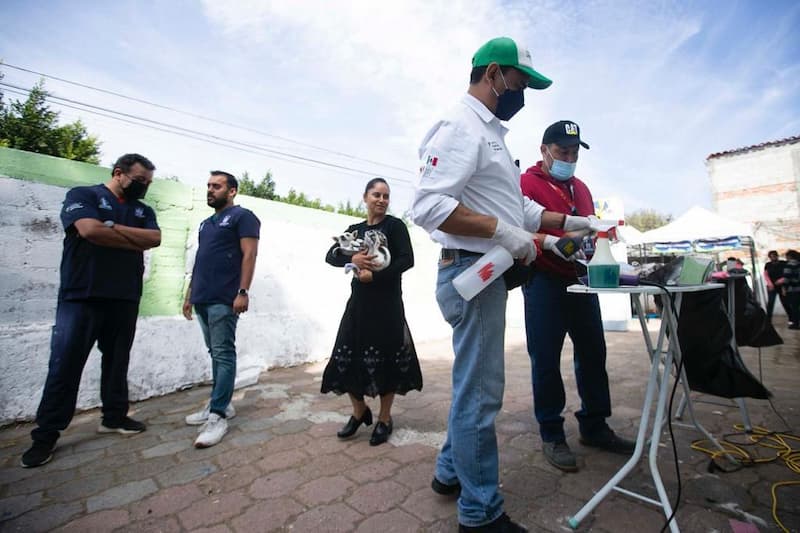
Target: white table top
(643,289)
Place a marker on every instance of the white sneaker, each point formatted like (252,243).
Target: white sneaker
(212,432)
(200,417)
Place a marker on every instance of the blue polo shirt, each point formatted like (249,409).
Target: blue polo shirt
(218,264)
(90,271)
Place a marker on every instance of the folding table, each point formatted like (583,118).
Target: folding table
(659,380)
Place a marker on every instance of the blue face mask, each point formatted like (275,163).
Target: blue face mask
(509,103)
(561,170)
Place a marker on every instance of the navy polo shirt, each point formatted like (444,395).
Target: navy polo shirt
(218,263)
(93,271)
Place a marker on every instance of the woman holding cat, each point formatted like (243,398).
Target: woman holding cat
(374,354)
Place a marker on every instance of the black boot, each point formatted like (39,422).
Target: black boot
(353,424)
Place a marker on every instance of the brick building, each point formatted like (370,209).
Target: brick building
(760,185)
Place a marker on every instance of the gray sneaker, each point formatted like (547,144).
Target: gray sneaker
(560,456)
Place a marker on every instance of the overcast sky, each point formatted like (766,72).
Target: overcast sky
(656,86)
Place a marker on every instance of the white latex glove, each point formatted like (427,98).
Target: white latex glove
(573,223)
(550,244)
(517,241)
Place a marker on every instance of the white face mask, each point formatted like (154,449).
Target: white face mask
(561,170)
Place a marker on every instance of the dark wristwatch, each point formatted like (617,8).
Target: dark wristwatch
(242,292)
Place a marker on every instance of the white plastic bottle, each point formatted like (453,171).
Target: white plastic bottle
(603,268)
(483,272)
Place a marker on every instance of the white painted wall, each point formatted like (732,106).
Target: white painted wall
(296,303)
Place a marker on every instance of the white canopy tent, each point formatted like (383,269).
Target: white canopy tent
(697,224)
(699,229)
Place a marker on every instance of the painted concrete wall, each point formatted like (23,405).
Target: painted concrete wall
(761,187)
(297,299)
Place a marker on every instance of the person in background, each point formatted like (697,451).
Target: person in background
(773,271)
(790,286)
(551,313)
(374,353)
(221,277)
(467,197)
(107,228)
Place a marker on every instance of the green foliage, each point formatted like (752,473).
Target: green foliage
(647,219)
(264,189)
(348,209)
(31,125)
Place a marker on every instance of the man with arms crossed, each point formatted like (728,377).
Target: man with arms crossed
(107,228)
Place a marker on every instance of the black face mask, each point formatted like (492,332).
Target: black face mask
(135,190)
(509,103)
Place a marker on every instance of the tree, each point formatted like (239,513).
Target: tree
(31,125)
(264,189)
(348,209)
(647,219)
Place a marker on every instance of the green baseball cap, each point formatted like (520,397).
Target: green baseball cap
(505,52)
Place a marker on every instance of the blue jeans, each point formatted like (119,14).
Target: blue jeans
(469,454)
(112,324)
(551,313)
(218,322)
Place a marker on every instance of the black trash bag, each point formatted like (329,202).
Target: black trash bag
(712,365)
(753,328)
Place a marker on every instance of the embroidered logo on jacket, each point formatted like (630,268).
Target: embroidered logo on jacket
(73,207)
(226,221)
(104,204)
(139,212)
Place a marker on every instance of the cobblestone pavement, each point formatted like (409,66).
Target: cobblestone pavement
(281,466)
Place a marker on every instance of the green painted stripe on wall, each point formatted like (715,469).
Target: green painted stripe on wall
(174,203)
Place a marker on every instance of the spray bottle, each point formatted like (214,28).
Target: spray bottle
(603,268)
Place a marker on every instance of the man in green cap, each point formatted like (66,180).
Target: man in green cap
(468,198)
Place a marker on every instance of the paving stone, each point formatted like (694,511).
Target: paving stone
(167,448)
(213,510)
(166,502)
(415,476)
(240,456)
(42,478)
(121,495)
(266,515)
(323,490)
(229,480)
(96,522)
(17,505)
(334,518)
(186,472)
(257,424)
(249,439)
(219,528)
(394,521)
(411,453)
(167,524)
(282,460)
(373,470)
(423,505)
(104,464)
(275,484)
(80,489)
(182,433)
(291,426)
(326,465)
(191,453)
(377,497)
(43,519)
(133,443)
(141,469)
(286,442)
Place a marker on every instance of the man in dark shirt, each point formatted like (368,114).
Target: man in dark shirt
(773,271)
(107,228)
(790,286)
(223,271)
